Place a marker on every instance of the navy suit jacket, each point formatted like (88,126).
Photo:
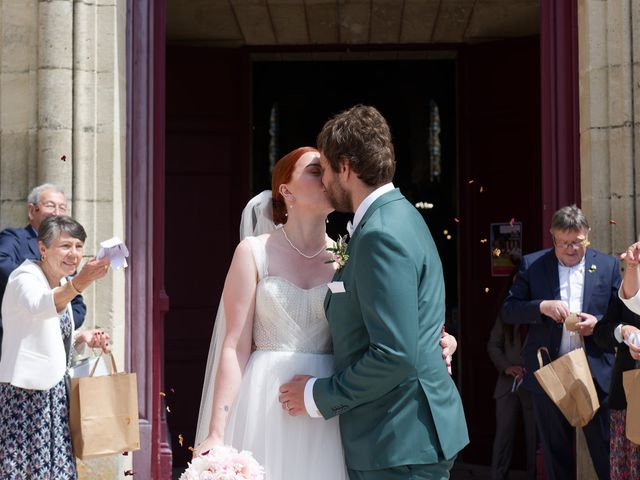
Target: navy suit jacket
(18,245)
(538,280)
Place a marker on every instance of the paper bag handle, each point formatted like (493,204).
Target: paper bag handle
(540,350)
(114,369)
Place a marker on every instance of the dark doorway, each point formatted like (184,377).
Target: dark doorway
(219,107)
(303,95)
(207,184)
(499,88)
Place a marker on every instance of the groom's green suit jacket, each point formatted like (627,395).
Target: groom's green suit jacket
(396,400)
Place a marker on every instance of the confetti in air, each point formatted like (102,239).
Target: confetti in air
(63,158)
(424,206)
(612,222)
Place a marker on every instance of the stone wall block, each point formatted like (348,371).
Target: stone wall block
(622,184)
(618,32)
(55,47)
(85,38)
(594,112)
(592,34)
(52,144)
(17,109)
(635,93)
(635,27)
(620,107)
(107,43)
(55,89)
(13,213)
(19,35)
(595,174)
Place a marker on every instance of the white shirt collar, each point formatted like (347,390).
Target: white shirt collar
(366,203)
(580,264)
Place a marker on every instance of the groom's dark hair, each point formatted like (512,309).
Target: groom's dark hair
(361,136)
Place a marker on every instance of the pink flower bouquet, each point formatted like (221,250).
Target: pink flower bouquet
(224,463)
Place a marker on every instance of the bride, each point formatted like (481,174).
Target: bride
(273,305)
(271,325)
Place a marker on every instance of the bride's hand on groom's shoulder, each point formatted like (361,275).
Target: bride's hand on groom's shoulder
(206,445)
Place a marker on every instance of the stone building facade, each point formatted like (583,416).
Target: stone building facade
(64,118)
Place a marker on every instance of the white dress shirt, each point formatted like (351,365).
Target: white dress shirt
(571,292)
(309,402)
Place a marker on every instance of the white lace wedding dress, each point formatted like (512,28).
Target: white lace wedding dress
(291,336)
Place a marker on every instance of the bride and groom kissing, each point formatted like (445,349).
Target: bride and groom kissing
(330,369)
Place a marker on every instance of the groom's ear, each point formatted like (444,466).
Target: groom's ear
(345,167)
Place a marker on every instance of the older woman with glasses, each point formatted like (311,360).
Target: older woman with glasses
(37,346)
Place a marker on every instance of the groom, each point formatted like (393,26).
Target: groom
(400,413)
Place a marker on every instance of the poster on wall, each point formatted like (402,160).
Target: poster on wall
(506,248)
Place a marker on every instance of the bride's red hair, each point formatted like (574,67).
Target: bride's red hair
(282,172)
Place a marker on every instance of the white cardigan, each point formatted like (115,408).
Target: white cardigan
(33,353)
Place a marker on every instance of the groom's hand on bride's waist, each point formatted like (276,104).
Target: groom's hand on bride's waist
(292,395)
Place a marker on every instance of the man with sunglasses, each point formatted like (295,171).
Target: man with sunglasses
(551,284)
(20,244)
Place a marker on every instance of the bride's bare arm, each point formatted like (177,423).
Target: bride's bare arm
(239,304)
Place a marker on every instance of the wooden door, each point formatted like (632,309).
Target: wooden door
(500,154)
(207,185)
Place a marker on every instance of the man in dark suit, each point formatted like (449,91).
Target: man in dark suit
(20,244)
(401,416)
(551,284)
(512,402)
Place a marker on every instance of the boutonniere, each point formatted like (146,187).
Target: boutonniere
(592,268)
(339,251)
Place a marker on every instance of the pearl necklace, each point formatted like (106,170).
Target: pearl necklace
(298,250)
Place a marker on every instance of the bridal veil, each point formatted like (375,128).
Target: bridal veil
(257,219)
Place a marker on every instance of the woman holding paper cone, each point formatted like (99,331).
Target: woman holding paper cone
(617,330)
(35,440)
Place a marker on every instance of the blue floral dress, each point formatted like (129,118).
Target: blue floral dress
(35,440)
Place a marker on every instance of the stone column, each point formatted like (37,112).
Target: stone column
(55,93)
(609,51)
(609,45)
(98,150)
(62,93)
(18,107)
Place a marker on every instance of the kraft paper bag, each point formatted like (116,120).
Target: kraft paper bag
(103,414)
(631,383)
(568,383)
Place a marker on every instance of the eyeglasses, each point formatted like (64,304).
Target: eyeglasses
(576,245)
(52,206)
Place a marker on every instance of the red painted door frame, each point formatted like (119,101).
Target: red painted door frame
(146,299)
(560,133)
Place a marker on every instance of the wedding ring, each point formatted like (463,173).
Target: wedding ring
(106,267)
(286,405)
